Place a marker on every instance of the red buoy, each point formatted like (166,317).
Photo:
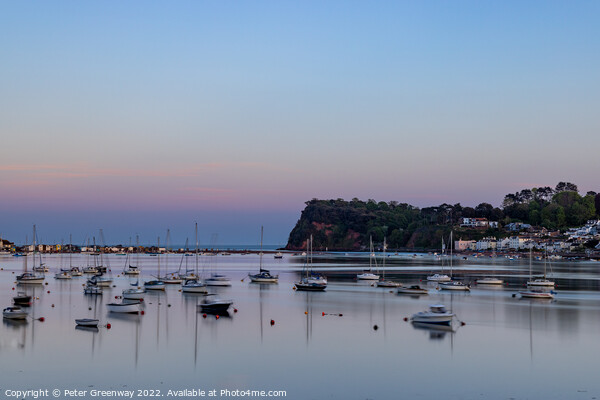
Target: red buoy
(203,315)
(142,312)
(41,319)
(323,313)
(107,326)
(341,315)
(217,316)
(13,288)
(235,310)
(272,322)
(48,291)
(405,319)
(52,305)
(116,297)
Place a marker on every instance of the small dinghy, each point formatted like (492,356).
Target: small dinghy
(14,312)
(414,289)
(129,307)
(87,322)
(212,304)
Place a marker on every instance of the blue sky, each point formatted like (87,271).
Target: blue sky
(138,116)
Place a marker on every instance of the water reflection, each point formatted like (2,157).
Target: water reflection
(309,341)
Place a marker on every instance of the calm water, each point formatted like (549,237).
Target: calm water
(508,348)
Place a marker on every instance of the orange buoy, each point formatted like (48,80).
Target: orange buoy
(217,316)
(305,312)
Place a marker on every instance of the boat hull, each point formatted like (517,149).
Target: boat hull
(128,308)
(310,287)
(194,289)
(87,322)
(537,295)
(367,277)
(403,290)
(439,278)
(134,294)
(14,313)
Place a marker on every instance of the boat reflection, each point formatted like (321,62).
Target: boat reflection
(87,328)
(436,332)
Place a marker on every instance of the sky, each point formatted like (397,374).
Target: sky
(141,116)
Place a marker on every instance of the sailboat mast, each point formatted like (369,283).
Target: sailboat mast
(196,250)
(450,254)
(261,248)
(158,255)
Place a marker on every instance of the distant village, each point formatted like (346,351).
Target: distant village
(583,240)
(7,247)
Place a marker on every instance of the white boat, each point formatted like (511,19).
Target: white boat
(277,255)
(172,279)
(90,270)
(369,275)
(437,314)
(454,285)
(14,312)
(62,275)
(41,268)
(415,289)
(134,293)
(490,281)
(193,286)
(540,282)
(439,278)
(315,277)
(76,271)
(133,307)
(29,278)
(309,282)
(263,276)
(131,270)
(87,322)
(536,294)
